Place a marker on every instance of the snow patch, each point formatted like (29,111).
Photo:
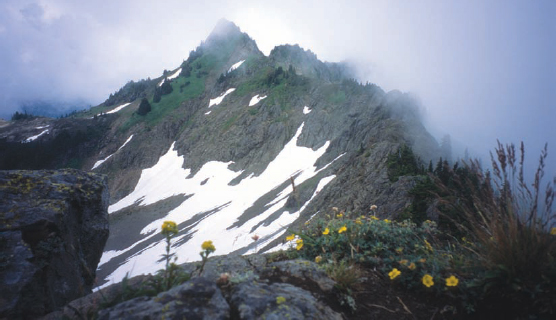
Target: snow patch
(43,127)
(218,100)
(170,77)
(272,228)
(235,66)
(306,110)
(256,100)
(120,107)
(35,137)
(208,112)
(98,163)
(209,190)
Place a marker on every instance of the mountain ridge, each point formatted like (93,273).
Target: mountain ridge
(222,161)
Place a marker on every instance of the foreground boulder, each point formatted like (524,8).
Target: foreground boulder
(230,287)
(54,225)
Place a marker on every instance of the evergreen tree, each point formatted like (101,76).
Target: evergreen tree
(157,95)
(144,107)
(166,87)
(221,78)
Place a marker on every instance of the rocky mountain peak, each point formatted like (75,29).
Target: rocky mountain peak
(224,28)
(228,37)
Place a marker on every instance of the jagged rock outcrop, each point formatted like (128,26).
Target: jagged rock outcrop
(54,225)
(230,287)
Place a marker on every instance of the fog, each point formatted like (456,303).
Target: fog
(483,70)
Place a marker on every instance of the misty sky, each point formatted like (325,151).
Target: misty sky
(482,69)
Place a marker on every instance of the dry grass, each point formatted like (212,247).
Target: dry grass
(509,223)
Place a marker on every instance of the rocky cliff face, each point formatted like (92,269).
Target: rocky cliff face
(54,225)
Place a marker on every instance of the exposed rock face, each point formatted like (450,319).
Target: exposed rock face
(198,298)
(254,288)
(54,225)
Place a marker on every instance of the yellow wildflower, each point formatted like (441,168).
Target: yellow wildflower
(394,273)
(374,218)
(169,227)
(362,217)
(427,280)
(399,250)
(326,231)
(428,246)
(340,215)
(208,246)
(403,262)
(299,244)
(290,237)
(553,231)
(280,300)
(452,281)
(342,229)
(318,259)
(358,221)
(386,220)
(422,260)
(412,266)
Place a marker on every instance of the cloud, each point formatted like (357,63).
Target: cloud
(482,69)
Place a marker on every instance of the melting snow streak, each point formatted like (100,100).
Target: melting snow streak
(35,137)
(118,108)
(256,100)
(218,100)
(235,66)
(98,163)
(173,76)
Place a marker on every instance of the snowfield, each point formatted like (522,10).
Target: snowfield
(306,110)
(216,101)
(209,191)
(170,77)
(98,163)
(256,99)
(235,66)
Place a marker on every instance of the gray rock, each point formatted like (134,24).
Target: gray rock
(254,300)
(54,225)
(303,272)
(89,305)
(198,298)
(233,265)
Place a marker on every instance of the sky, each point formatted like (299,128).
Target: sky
(483,70)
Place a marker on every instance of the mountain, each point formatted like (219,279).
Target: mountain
(233,144)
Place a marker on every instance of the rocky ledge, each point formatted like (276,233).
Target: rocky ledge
(54,225)
(230,287)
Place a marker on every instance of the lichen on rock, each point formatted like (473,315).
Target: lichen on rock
(54,225)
